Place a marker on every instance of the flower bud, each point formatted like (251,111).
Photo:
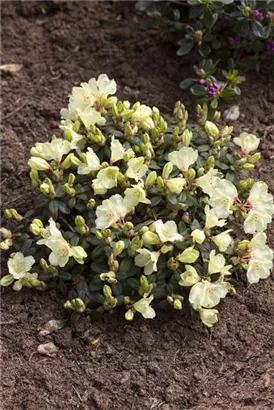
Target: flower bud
(34,283)
(71,179)
(248,167)
(74,160)
(5,245)
(210,162)
(144,229)
(177,304)
(167,170)
(200,172)
(217,145)
(78,305)
(35,229)
(169,299)
(241,161)
(166,248)
(69,190)
(79,221)
(145,287)
(147,123)
(151,238)
(211,129)
(6,280)
(111,101)
(38,164)
(151,179)
(186,138)
(253,159)
(44,188)
(129,315)
(173,264)
(15,215)
(216,116)
(160,182)
(6,233)
(226,131)
(8,214)
(191,173)
(34,176)
(91,203)
(118,248)
(242,246)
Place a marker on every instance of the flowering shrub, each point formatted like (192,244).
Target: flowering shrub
(133,210)
(236,33)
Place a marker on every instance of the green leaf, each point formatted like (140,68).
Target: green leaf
(188,82)
(53,208)
(209,18)
(64,207)
(185,47)
(196,12)
(204,50)
(143,5)
(257,29)
(198,91)
(214,103)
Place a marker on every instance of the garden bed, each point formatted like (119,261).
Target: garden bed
(172,362)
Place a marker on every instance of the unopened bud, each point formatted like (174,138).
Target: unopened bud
(151,238)
(6,233)
(71,179)
(253,159)
(217,116)
(118,248)
(160,182)
(151,179)
(167,170)
(177,304)
(210,162)
(166,248)
(186,137)
(173,264)
(248,167)
(129,315)
(91,203)
(200,172)
(38,164)
(211,129)
(191,174)
(242,246)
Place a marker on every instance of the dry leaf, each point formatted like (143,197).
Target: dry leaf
(12,68)
(50,327)
(48,349)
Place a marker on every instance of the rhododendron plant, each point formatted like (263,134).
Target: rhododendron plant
(132,210)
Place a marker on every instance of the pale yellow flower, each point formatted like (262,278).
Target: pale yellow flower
(136,168)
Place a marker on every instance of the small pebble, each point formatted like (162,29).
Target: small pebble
(48,349)
(232,114)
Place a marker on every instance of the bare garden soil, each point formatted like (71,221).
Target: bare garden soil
(172,362)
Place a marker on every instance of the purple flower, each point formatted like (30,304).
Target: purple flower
(212,89)
(270,46)
(233,41)
(250,35)
(225,20)
(270,16)
(201,81)
(256,15)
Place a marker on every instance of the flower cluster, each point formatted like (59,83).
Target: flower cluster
(133,210)
(223,35)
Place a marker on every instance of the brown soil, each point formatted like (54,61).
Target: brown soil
(172,362)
